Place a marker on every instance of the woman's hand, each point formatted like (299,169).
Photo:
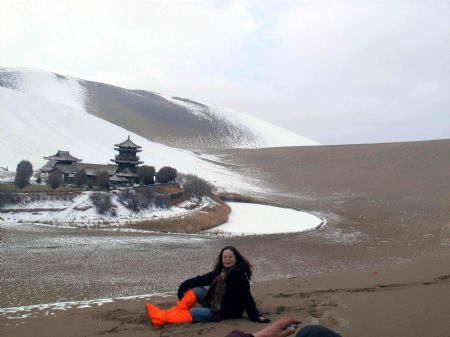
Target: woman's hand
(278,328)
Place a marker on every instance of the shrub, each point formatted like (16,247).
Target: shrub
(166,174)
(24,171)
(80,178)
(101,201)
(162,200)
(136,200)
(195,187)
(25,167)
(129,199)
(102,180)
(146,196)
(21,180)
(146,174)
(54,180)
(9,198)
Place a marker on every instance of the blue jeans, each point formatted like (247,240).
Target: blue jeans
(204,313)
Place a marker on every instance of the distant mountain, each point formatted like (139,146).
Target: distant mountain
(172,121)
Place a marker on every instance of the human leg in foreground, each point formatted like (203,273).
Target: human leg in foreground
(281,328)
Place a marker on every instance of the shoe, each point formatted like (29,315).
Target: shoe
(156,315)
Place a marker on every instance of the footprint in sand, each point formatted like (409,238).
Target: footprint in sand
(314,321)
(342,321)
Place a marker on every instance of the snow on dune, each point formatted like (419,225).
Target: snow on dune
(33,127)
(252,132)
(265,134)
(61,89)
(248,219)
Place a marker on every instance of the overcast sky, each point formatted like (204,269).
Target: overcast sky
(334,71)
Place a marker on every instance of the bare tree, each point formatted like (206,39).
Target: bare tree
(195,187)
(102,202)
(129,198)
(138,199)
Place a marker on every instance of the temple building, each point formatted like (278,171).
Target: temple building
(127,161)
(123,173)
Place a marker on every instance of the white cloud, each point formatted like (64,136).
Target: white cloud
(351,65)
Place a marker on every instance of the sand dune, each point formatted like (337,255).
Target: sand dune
(407,182)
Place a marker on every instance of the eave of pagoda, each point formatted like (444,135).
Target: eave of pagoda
(128,144)
(127,161)
(126,149)
(126,157)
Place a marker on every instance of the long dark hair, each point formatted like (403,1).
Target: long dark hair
(241,262)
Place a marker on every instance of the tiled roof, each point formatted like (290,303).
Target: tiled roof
(119,179)
(91,169)
(126,173)
(94,169)
(49,166)
(64,156)
(128,143)
(67,169)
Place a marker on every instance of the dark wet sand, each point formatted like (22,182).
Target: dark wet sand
(387,208)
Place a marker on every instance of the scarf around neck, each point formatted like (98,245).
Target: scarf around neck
(218,289)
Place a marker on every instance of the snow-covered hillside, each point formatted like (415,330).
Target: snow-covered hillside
(33,126)
(173,121)
(255,132)
(42,112)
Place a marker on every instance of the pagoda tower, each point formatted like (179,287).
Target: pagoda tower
(127,160)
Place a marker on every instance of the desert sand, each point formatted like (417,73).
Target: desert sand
(402,300)
(380,265)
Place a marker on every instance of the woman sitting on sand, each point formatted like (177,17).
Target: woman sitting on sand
(227,297)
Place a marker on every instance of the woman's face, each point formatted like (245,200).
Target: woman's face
(228,258)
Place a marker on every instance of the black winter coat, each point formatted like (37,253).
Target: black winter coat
(237,297)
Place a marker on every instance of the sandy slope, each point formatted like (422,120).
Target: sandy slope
(408,183)
(387,209)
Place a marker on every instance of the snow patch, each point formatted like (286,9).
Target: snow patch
(46,309)
(250,219)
